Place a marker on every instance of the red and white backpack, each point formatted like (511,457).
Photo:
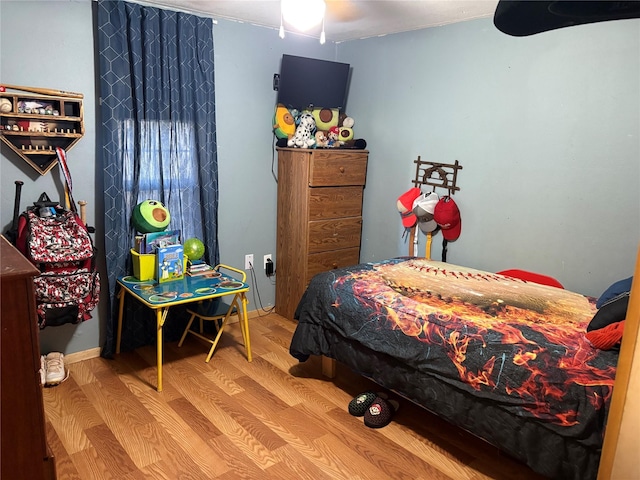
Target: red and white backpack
(57,242)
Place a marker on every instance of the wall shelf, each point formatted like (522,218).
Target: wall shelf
(35,125)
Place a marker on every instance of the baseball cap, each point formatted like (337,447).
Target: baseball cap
(423,208)
(447,216)
(405,206)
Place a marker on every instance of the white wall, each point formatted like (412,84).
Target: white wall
(538,143)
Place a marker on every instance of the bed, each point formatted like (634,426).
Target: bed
(500,357)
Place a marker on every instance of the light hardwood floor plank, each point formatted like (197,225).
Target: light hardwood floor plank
(273,418)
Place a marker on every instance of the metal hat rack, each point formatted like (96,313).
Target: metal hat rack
(435,175)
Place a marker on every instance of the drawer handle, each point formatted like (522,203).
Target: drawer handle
(341,169)
(335,265)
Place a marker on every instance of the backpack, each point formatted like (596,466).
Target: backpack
(57,242)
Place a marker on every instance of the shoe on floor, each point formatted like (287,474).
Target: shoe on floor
(358,406)
(360,403)
(55,372)
(43,371)
(380,412)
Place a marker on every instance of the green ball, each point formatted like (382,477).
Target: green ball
(150,216)
(193,248)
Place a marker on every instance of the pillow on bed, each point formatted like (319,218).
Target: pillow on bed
(615,310)
(531,277)
(621,286)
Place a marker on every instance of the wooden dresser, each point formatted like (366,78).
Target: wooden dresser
(319,217)
(23,436)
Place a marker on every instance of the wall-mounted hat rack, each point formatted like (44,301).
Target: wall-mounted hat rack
(436,175)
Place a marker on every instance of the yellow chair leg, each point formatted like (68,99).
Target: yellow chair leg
(186,330)
(238,307)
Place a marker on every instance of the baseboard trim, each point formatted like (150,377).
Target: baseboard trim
(83,355)
(95,352)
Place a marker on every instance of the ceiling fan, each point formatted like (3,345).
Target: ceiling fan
(522,17)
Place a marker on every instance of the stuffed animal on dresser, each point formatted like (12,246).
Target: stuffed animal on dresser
(304,136)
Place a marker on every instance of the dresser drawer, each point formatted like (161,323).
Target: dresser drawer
(335,202)
(328,169)
(325,235)
(321,262)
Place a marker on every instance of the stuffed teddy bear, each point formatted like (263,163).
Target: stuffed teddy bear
(303,138)
(321,139)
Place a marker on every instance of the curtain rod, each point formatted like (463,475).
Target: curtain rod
(172,8)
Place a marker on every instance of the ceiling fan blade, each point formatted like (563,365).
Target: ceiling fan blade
(342,10)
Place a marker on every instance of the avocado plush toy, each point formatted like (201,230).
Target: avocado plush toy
(150,216)
(284,122)
(325,118)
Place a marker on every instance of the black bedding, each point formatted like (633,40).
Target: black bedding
(502,358)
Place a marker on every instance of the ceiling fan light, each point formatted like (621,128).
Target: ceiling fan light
(303,14)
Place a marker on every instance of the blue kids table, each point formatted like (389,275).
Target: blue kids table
(162,296)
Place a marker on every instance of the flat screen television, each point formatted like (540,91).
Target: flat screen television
(306,82)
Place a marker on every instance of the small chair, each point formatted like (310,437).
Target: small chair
(219,312)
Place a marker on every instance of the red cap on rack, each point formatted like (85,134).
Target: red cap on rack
(405,206)
(447,216)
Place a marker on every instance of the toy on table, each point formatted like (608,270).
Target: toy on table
(193,248)
(150,216)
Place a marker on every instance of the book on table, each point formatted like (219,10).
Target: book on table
(169,263)
(200,270)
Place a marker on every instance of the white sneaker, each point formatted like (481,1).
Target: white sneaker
(43,371)
(55,368)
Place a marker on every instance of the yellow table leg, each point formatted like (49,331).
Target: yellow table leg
(120,313)
(161,316)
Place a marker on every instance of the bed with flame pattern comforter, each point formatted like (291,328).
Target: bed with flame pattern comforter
(502,358)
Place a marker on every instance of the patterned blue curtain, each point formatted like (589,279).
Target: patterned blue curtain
(158,137)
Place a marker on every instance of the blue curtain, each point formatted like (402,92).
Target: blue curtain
(158,137)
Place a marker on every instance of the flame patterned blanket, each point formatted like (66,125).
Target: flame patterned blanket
(519,345)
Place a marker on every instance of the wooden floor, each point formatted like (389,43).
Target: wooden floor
(273,418)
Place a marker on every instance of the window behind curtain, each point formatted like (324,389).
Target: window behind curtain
(179,176)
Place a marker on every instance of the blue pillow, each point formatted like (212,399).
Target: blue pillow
(621,286)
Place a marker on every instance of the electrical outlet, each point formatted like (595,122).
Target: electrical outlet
(248,261)
(266,257)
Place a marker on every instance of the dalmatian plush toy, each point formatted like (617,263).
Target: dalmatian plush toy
(304,138)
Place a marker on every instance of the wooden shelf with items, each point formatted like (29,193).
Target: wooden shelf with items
(34,125)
